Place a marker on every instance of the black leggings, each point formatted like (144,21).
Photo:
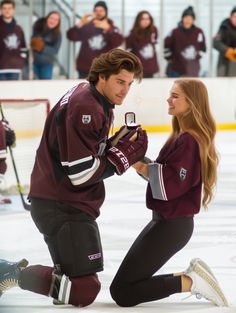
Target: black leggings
(135,282)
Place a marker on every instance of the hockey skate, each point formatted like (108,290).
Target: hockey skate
(204,283)
(9,274)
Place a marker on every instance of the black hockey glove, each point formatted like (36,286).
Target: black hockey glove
(128,150)
(9,134)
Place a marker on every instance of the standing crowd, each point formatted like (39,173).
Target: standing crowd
(184,46)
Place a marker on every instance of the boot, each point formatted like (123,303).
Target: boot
(10,273)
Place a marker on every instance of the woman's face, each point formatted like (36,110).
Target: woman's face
(187,21)
(177,101)
(53,20)
(145,21)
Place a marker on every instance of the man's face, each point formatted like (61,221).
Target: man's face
(7,11)
(116,87)
(100,13)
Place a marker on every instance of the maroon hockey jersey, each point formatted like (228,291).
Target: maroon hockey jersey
(12,45)
(145,48)
(94,41)
(183,49)
(68,165)
(175,184)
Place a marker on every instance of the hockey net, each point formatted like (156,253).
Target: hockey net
(27,118)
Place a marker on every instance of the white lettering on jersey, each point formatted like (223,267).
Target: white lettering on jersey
(66,97)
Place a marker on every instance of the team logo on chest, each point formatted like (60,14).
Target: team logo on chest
(86,119)
(182,173)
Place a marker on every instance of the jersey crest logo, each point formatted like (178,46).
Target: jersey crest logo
(182,173)
(86,119)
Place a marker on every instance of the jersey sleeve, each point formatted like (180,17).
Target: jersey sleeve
(78,146)
(179,174)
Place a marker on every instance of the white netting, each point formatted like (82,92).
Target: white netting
(27,117)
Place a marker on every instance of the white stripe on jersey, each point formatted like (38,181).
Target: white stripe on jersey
(3,154)
(82,177)
(66,163)
(162,186)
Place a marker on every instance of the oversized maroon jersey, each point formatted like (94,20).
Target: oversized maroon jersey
(68,166)
(145,48)
(12,45)
(184,48)
(175,184)
(94,41)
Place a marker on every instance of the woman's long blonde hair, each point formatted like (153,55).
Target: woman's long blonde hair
(199,122)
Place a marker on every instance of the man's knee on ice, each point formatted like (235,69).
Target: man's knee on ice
(78,291)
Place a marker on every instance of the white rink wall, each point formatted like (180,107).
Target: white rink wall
(147,99)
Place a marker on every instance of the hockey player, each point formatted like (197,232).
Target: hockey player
(186,165)
(67,189)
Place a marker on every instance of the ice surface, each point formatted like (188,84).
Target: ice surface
(123,215)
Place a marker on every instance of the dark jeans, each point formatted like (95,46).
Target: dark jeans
(135,281)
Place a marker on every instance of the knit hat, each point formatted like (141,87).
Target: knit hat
(101,4)
(188,12)
(233,11)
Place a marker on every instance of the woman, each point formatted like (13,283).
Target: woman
(185,168)
(142,42)
(45,43)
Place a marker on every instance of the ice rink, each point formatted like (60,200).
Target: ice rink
(123,216)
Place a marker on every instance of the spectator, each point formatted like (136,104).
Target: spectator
(225,42)
(142,42)
(13,51)
(97,34)
(45,43)
(7,138)
(184,47)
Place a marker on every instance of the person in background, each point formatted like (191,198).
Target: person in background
(7,139)
(142,41)
(180,180)
(184,46)
(45,44)
(67,183)
(13,50)
(97,34)
(225,42)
